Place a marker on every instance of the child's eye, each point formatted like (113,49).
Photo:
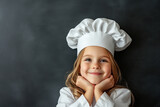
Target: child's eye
(103,60)
(88,59)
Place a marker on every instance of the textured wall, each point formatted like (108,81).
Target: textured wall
(35,58)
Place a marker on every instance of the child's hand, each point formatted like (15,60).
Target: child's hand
(83,83)
(87,87)
(102,86)
(105,84)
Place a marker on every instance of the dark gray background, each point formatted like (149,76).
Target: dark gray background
(35,58)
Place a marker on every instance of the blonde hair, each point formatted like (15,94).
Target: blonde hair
(72,77)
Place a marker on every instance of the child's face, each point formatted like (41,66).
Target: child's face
(95,64)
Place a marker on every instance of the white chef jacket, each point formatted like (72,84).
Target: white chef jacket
(120,97)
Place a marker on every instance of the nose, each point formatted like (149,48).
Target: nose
(95,65)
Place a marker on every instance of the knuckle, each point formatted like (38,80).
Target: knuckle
(110,80)
(77,83)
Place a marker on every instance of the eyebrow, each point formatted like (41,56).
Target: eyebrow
(91,56)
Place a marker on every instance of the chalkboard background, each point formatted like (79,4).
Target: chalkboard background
(35,58)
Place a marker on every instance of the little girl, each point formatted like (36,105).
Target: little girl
(95,79)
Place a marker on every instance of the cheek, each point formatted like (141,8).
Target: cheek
(83,69)
(107,70)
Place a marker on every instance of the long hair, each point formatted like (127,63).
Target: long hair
(72,77)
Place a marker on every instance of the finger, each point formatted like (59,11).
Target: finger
(81,78)
(78,77)
(111,76)
(84,78)
(112,79)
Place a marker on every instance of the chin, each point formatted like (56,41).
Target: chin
(94,82)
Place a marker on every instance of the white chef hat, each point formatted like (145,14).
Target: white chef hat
(101,32)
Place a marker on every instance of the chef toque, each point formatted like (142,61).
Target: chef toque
(101,32)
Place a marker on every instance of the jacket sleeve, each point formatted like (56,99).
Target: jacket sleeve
(67,99)
(104,101)
(121,97)
(118,98)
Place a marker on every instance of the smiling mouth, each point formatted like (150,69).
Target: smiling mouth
(95,73)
